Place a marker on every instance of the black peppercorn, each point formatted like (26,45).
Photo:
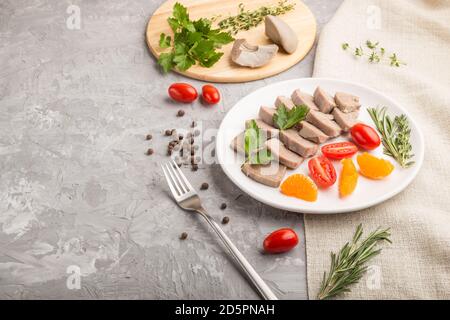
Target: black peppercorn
(184,236)
(204,186)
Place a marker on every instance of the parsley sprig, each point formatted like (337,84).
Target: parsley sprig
(350,264)
(285,119)
(254,140)
(193,41)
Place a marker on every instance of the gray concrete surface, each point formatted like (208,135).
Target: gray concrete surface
(78,193)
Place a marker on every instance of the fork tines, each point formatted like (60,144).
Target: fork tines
(178,184)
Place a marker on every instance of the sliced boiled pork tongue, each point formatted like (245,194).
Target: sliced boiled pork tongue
(345,120)
(266,114)
(294,142)
(270,131)
(347,102)
(283,155)
(282,100)
(324,123)
(311,133)
(238,143)
(270,175)
(299,98)
(323,100)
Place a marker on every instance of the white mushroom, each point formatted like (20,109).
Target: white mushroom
(281,33)
(253,56)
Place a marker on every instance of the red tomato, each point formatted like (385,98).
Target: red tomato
(182,92)
(364,136)
(339,150)
(281,240)
(210,94)
(322,171)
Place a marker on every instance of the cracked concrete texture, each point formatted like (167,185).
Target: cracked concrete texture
(76,187)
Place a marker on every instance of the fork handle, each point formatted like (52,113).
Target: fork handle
(251,273)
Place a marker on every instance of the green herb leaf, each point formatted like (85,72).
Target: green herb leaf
(285,119)
(247,19)
(395,135)
(164,41)
(371,45)
(254,139)
(377,54)
(180,13)
(193,41)
(166,61)
(350,264)
(263,156)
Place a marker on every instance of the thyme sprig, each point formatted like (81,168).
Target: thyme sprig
(395,135)
(375,54)
(349,265)
(247,19)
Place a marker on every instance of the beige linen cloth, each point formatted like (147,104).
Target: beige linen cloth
(417,264)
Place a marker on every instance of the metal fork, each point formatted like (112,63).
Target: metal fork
(188,199)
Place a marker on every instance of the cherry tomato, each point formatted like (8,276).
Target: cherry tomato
(339,150)
(322,171)
(364,136)
(281,240)
(210,94)
(182,92)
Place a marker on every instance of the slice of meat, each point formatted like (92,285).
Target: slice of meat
(311,133)
(270,131)
(283,155)
(323,100)
(347,102)
(345,120)
(294,142)
(266,115)
(270,175)
(238,143)
(282,100)
(299,98)
(324,123)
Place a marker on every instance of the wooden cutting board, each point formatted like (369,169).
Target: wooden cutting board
(300,19)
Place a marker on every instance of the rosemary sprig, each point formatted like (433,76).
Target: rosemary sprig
(247,19)
(349,265)
(395,135)
(375,54)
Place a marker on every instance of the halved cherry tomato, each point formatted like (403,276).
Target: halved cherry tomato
(339,150)
(182,92)
(281,240)
(365,136)
(322,171)
(210,94)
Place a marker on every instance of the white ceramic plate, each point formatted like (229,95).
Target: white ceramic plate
(368,192)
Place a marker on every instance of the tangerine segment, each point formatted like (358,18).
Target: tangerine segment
(348,179)
(373,167)
(299,186)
